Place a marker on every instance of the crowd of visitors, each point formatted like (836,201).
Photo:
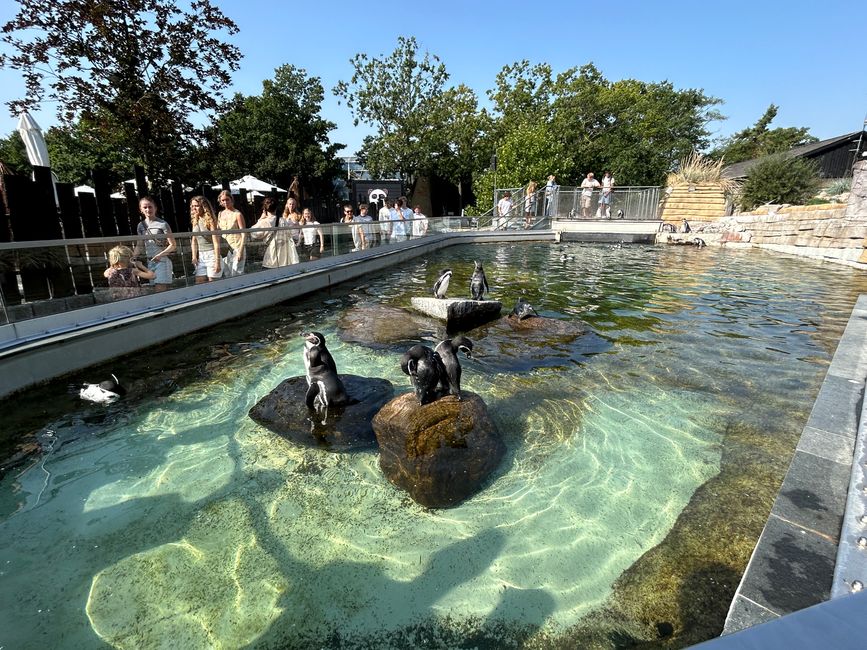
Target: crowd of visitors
(220,242)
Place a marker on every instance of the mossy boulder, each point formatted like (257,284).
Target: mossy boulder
(440,453)
(344,428)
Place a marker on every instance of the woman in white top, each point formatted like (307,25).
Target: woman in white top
(314,241)
(419,224)
(279,247)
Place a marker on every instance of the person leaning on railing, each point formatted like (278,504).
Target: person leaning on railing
(159,246)
(420,224)
(205,247)
(232,219)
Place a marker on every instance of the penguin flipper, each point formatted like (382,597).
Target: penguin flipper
(312,393)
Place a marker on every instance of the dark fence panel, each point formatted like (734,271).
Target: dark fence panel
(45,217)
(87,203)
(69,211)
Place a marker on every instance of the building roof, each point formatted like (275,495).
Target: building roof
(740,169)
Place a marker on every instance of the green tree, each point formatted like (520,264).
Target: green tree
(529,151)
(402,97)
(780,179)
(278,134)
(759,140)
(133,70)
(13,153)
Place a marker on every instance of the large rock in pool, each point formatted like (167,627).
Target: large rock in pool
(442,452)
(345,428)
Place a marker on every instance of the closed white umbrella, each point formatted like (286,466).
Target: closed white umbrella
(34,141)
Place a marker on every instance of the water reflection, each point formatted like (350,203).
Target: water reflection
(172,518)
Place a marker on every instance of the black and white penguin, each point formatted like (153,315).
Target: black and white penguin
(698,241)
(324,387)
(442,283)
(425,370)
(105,392)
(478,283)
(620,214)
(447,350)
(523,309)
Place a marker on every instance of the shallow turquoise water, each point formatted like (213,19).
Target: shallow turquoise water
(171,519)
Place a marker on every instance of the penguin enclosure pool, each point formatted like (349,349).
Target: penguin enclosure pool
(642,458)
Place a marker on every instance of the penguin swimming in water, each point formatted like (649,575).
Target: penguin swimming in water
(442,283)
(523,309)
(324,387)
(699,242)
(478,283)
(450,382)
(105,392)
(425,370)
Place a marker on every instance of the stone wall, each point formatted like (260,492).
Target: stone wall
(835,232)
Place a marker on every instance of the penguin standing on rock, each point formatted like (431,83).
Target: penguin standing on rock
(105,392)
(425,370)
(442,283)
(324,387)
(478,283)
(450,382)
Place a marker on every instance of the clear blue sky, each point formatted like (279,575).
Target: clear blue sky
(806,57)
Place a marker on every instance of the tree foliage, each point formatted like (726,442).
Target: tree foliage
(758,140)
(277,135)
(780,179)
(13,153)
(402,97)
(134,71)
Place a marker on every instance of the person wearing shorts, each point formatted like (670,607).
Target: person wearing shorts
(607,193)
(587,187)
(205,246)
(159,245)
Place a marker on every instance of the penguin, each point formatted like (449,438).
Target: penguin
(442,283)
(523,309)
(699,242)
(105,392)
(478,283)
(620,214)
(324,387)
(450,382)
(425,370)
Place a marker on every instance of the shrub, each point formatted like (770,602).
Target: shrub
(780,179)
(838,187)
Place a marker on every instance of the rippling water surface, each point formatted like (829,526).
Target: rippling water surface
(642,461)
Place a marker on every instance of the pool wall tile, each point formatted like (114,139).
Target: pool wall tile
(794,562)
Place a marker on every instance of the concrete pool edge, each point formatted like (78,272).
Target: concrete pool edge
(807,540)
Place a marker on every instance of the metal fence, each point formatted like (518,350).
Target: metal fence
(570,202)
(41,278)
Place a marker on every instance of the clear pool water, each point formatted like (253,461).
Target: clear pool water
(643,458)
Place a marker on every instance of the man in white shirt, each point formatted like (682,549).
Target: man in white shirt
(385,222)
(504,209)
(587,187)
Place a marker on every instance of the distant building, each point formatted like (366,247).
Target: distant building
(834,157)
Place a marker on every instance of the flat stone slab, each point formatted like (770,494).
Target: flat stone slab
(345,428)
(459,314)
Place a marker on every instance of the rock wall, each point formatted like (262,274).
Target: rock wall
(834,232)
(702,202)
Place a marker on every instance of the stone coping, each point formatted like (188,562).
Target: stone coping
(793,564)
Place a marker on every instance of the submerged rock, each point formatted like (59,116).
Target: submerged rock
(384,326)
(550,326)
(458,313)
(442,452)
(345,428)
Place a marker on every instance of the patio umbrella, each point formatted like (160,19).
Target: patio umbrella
(34,142)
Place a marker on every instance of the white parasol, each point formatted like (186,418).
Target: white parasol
(34,142)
